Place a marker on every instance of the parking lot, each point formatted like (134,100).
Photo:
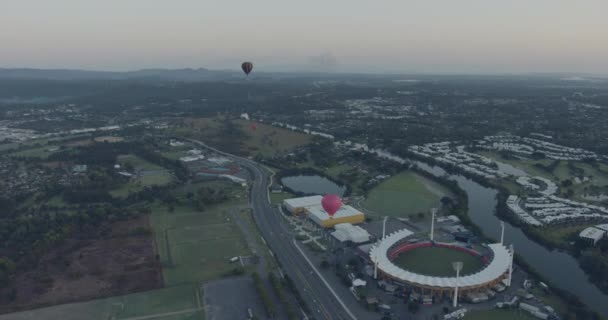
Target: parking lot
(229,299)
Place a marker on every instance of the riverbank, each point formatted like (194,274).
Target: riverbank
(589,259)
(560,270)
(573,303)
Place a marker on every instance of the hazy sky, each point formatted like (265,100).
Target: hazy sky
(332,35)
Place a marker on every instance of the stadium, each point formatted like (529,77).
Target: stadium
(429,270)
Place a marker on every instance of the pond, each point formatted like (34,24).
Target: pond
(313,184)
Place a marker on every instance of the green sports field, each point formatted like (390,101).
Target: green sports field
(149,174)
(403,195)
(437,261)
(173,303)
(195,245)
(137,163)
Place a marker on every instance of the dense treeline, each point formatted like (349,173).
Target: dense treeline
(266,300)
(105,154)
(280,291)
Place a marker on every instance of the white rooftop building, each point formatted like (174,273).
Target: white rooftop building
(297,205)
(347,232)
(592,234)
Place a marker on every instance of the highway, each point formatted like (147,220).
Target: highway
(314,289)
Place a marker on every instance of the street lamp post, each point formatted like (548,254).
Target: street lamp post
(512,256)
(433,212)
(457,266)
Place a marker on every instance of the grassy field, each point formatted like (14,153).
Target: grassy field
(149,174)
(173,303)
(437,261)
(137,163)
(194,245)
(277,198)
(561,235)
(8,146)
(498,314)
(562,171)
(403,195)
(265,139)
(38,152)
(139,182)
(268,140)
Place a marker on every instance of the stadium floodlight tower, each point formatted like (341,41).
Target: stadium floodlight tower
(384,227)
(457,267)
(433,212)
(502,232)
(383,236)
(512,253)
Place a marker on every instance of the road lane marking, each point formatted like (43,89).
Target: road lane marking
(260,184)
(350,314)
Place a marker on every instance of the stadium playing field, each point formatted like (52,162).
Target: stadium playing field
(437,261)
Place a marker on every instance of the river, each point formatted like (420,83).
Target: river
(559,268)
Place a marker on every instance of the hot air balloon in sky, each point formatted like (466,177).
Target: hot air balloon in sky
(331,203)
(247,67)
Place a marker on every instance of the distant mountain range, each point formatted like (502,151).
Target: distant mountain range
(203,74)
(147,74)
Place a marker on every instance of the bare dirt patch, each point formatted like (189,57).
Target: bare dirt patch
(79,143)
(109,139)
(121,261)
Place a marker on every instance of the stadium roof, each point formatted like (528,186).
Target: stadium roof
(498,266)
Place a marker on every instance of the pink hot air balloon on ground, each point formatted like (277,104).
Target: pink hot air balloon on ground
(331,203)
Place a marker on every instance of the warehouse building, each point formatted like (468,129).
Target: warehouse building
(298,205)
(346,214)
(346,232)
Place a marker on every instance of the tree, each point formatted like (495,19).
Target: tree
(447,202)
(413,307)
(7,267)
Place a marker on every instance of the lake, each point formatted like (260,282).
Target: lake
(313,184)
